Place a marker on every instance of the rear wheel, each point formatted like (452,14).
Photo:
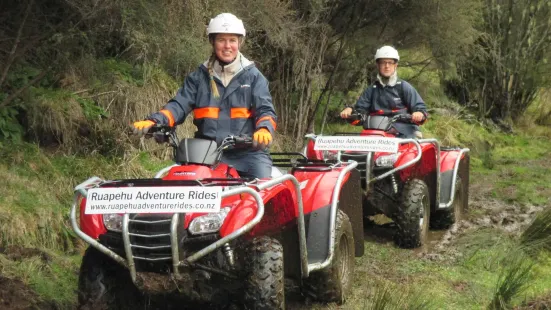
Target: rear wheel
(265,283)
(104,284)
(413,215)
(443,219)
(333,284)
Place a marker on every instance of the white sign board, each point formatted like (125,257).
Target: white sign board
(171,199)
(357,143)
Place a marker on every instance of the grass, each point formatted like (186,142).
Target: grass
(35,198)
(53,276)
(36,195)
(473,273)
(537,237)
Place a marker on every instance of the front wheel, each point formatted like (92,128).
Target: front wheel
(265,283)
(104,284)
(413,215)
(333,284)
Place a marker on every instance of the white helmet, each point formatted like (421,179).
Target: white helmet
(387,52)
(226,23)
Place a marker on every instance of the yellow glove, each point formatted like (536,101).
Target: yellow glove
(262,138)
(142,127)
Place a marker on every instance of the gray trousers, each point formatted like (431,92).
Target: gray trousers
(249,163)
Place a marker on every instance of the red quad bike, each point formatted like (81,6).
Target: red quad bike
(199,230)
(417,184)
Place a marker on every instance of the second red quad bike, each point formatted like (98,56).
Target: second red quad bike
(199,230)
(416,182)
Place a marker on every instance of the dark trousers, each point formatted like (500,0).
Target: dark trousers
(249,163)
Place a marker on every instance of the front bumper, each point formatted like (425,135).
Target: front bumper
(129,248)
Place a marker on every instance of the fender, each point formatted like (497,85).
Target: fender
(447,165)
(425,166)
(319,194)
(350,202)
(448,158)
(274,217)
(309,183)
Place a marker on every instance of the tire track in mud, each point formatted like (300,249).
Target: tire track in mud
(496,214)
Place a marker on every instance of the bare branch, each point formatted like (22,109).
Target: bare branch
(13,55)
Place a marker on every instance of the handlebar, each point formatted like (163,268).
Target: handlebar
(356,116)
(362,117)
(236,142)
(165,133)
(159,130)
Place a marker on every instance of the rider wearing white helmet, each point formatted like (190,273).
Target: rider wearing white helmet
(390,95)
(228,96)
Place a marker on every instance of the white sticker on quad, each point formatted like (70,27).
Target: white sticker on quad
(171,199)
(357,143)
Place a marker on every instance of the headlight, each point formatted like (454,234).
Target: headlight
(208,223)
(386,160)
(113,222)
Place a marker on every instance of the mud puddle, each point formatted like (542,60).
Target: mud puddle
(491,213)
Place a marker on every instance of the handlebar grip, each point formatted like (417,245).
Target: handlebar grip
(356,118)
(159,130)
(405,117)
(242,141)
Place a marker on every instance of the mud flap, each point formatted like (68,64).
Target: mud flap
(351,203)
(317,222)
(446,179)
(464,173)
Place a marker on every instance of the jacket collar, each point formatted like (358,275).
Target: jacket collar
(391,81)
(240,62)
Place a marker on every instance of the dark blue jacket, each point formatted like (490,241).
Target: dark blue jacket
(244,106)
(388,100)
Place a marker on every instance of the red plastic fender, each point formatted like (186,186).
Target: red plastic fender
(309,181)
(280,195)
(279,209)
(91,224)
(238,217)
(318,191)
(423,167)
(447,160)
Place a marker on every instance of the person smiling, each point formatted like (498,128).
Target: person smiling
(228,95)
(390,96)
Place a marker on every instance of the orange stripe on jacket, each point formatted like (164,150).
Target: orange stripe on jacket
(206,112)
(169,116)
(240,113)
(271,119)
